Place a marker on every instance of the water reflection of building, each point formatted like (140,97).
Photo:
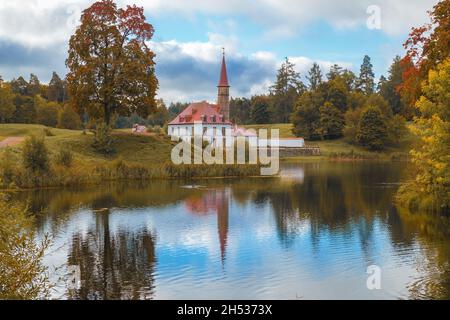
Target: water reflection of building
(213,202)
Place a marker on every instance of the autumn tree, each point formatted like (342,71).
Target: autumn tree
(285,92)
(7,106)
(23,273)
(68,118)
(431,187)
(46,112)
(366,78)
(111,67)
(426,47)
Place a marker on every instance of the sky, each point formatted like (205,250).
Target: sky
(189,36)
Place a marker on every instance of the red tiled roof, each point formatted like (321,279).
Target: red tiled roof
(223,81)
(200,112)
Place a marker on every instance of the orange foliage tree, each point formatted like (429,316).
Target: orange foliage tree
(111,68)
(426,47)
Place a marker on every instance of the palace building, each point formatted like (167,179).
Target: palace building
(212,121)
(204,119)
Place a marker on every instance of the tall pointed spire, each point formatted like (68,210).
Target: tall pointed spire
(223,81)
(223,97)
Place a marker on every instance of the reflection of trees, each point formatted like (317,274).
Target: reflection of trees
(432,231)
(114,264)
(57,204)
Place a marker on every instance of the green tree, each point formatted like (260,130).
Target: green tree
(306,116)
(111,68)
(397,130)
(160,116)
(19,86)
(376,100)
(335,71)
(389,89)
(337,93)
(176,108)
(372,129)
(69,119)
(260,110)
(331,121)
(7,106)
(366,82)
(25,111)
(352,118)
(314,77)
(34,86)
(285,92)
(240,110)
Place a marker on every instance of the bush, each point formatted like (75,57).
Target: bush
(48,132)
(7,168)
(64,157)
(23,274)
(35,155)
(103,140)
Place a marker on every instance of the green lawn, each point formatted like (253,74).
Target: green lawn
(339,146)
(149,150)
(23,130)
(285,129)
(146,150)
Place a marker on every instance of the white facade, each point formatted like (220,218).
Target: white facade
(217,132)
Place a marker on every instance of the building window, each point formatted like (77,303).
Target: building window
(204,130)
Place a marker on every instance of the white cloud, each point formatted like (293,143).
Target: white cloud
(189,71)
(43,22)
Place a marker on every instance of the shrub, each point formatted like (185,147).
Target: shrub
(103,140)
(23,275)
(64,157)
(7,168)
(47,132)
(35,155)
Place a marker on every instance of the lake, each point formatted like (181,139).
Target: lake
(310,234)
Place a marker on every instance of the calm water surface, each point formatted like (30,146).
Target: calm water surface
(310,234)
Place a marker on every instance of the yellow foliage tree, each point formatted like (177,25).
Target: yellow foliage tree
(431,187)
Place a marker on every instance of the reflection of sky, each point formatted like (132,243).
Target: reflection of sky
(257,264)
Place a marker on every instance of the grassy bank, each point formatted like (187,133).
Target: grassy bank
(340,149)
(135,157)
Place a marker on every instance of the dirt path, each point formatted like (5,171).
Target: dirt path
(11,141)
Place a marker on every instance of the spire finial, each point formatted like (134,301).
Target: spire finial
(223,51)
